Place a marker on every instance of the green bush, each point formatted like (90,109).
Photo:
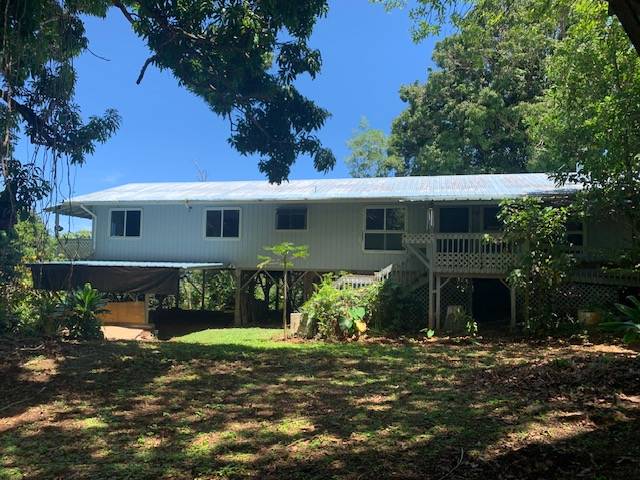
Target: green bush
(339,313)
(79,313)
(346,313)
(395,309)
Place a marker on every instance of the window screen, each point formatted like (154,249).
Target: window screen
(291,218)
(384,228)
(126,223)
(222,223)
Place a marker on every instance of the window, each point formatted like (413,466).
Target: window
(575,235)
(490,220)
(125,223)
(291,218)
(454,220)
(222,223)
(384,228)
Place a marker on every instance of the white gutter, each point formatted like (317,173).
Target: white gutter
(94,224)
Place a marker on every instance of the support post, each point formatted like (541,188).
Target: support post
(430,300)
(146,308)
(237,313)
(204,288)
(438,309)
(512,292)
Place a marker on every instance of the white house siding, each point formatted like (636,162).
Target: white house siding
(175,233)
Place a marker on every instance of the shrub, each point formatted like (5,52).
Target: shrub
(627,321)
(80,313)
(394,309)
(349,312)
(339,314)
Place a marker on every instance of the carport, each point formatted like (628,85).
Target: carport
(118,277)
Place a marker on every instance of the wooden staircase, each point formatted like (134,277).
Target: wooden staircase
(403,273)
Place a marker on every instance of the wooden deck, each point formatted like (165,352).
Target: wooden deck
(463,253)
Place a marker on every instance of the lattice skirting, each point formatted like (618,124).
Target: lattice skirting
(420,312)
(570,298)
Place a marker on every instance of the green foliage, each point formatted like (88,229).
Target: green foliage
(429,332)
(282,254)
(219,290)
(369,154)
(38,46)
(471,327)
(353,322)
(339,313)
(544,262)
(344,313)
(79,313)
(395,309)
(590,115)
(627,321)
(468,117)
(242,59)
(28,241)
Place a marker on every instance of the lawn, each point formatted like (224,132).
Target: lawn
(240,403)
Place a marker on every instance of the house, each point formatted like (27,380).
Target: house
(428,233)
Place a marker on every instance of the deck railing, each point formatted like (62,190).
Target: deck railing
(75,248)
(465,252)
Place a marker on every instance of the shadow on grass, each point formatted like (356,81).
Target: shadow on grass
(180,410)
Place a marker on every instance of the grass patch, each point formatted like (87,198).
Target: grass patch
(238,403)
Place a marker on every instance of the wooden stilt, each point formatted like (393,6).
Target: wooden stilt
(146,308)
(438,299)
(237,314)
(204,288)
(430,301)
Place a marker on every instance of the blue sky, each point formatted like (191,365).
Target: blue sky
(367,55)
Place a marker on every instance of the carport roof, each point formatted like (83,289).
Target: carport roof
(136,264)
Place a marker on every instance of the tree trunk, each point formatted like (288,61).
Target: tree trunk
(284,302)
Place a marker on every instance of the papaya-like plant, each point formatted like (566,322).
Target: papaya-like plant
(627,321)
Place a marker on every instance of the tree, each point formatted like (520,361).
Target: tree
(590,115)
(468,116)
(545,259)
(241,58)
(369,153)
(281,256)
(429,16)
(39,41)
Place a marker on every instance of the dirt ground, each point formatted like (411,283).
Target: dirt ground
(241,403)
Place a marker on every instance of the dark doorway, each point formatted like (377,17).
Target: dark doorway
(491,302)
(454,219)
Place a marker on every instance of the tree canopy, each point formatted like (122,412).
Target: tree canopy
(370,153)
(468,117)
(240,57)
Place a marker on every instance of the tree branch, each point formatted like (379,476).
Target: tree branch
(125,12)
(33,119)
(147,62)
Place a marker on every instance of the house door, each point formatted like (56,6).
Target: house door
(454,220)
(491,302)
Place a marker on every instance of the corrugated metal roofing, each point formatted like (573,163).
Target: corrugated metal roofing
(118,263)
(433,188)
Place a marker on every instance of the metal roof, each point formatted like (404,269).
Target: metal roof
(117,263)
(432,188)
